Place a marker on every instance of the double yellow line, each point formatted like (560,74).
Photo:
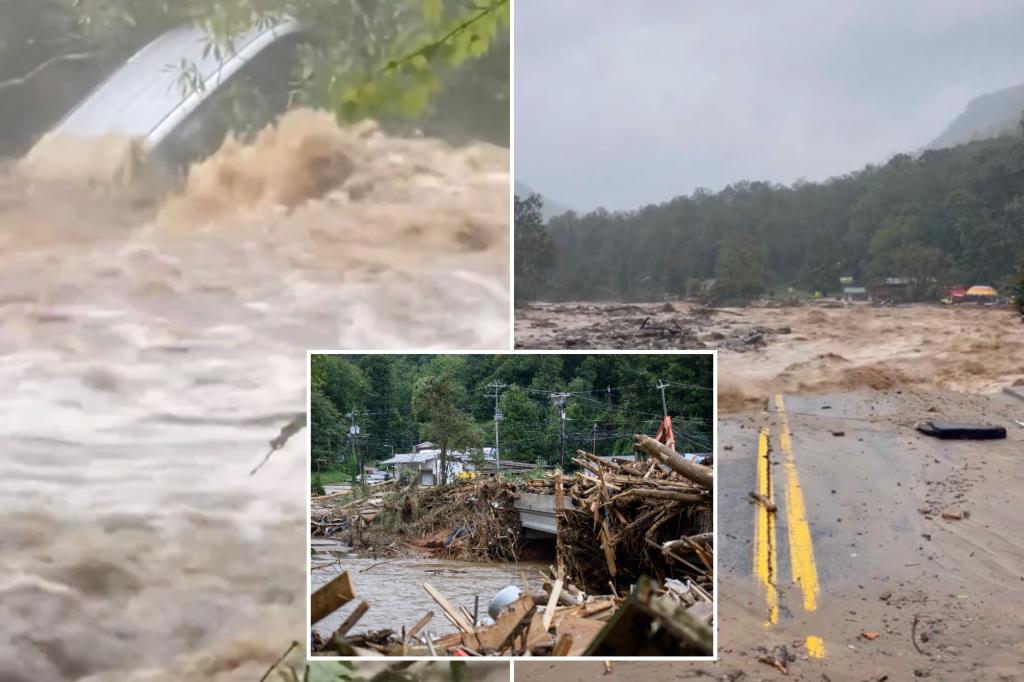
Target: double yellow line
(801,548)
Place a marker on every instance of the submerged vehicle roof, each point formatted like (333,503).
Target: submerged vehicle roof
(144,98)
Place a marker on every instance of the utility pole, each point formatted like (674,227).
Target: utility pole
(593,447)
(558,399)
(662,385)
(498,416)
(353,431)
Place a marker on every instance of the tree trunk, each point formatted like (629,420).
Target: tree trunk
(699,474)
(444,462)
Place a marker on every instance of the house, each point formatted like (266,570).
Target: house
(425,466)
(852,293)
(425,462)
(892,289)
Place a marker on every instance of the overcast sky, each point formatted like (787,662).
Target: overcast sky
(620,104)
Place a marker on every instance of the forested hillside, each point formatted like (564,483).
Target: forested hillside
(394,401)
(948,216)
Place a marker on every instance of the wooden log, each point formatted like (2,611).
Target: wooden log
(609,549)
(562,645)
(350,622)
(331,597)
(690,498)
(448,609)
(698,473)
(549,609)
(420,624)
(601,462)
(500,635)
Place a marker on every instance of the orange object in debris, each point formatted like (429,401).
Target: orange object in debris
(665,435)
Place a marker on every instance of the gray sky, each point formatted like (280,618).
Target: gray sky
(623,103)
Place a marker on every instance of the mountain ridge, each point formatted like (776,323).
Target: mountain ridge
(985,116)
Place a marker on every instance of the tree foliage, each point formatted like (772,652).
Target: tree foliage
(948,216)
(534,251)
(439,65)
(363,58)
(439,401)
(403,399)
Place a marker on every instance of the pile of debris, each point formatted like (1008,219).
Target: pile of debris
(331,514)
(634,573)
(561,622)
(477,519)
(623,520)
(636,327)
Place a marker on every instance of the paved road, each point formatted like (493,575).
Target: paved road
(859,496)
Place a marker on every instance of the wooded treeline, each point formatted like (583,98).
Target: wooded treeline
(439,66)
(399,400)
(948,216)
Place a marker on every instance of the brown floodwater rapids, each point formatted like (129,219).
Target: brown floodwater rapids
(394,588)
(149,349)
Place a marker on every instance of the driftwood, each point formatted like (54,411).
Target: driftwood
(698,473)
(448,609)
(297,423)
(331,597)
(350,622)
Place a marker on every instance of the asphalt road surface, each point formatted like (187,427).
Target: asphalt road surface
(892,555)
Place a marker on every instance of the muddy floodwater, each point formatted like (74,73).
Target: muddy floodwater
(149,349)
(803,348)
(394,588)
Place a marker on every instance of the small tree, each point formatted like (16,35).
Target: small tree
(438,400)
(534,252)
(741,270)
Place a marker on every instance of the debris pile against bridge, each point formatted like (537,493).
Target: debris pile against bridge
(474,521)
(621,520)
(633,572)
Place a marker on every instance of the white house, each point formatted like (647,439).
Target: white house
(426,461)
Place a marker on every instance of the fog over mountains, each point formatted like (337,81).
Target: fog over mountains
(985,116)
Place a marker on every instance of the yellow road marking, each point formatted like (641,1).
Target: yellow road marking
(815,647)
(801,550)
(765,562)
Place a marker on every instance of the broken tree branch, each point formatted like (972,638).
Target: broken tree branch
(21,80)
(698,473)
(297,423)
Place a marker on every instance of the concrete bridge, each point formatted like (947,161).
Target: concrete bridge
(537,514)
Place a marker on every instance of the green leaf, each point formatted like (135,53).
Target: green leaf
(433,11)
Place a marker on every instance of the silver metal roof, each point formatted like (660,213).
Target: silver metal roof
(143,98)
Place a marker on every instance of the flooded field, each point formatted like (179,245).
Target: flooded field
(150,348)
(394,588)
(804,348)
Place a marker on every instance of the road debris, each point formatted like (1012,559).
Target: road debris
(958,431)
(763,501)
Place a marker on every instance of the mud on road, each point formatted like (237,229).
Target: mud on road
(915,543)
